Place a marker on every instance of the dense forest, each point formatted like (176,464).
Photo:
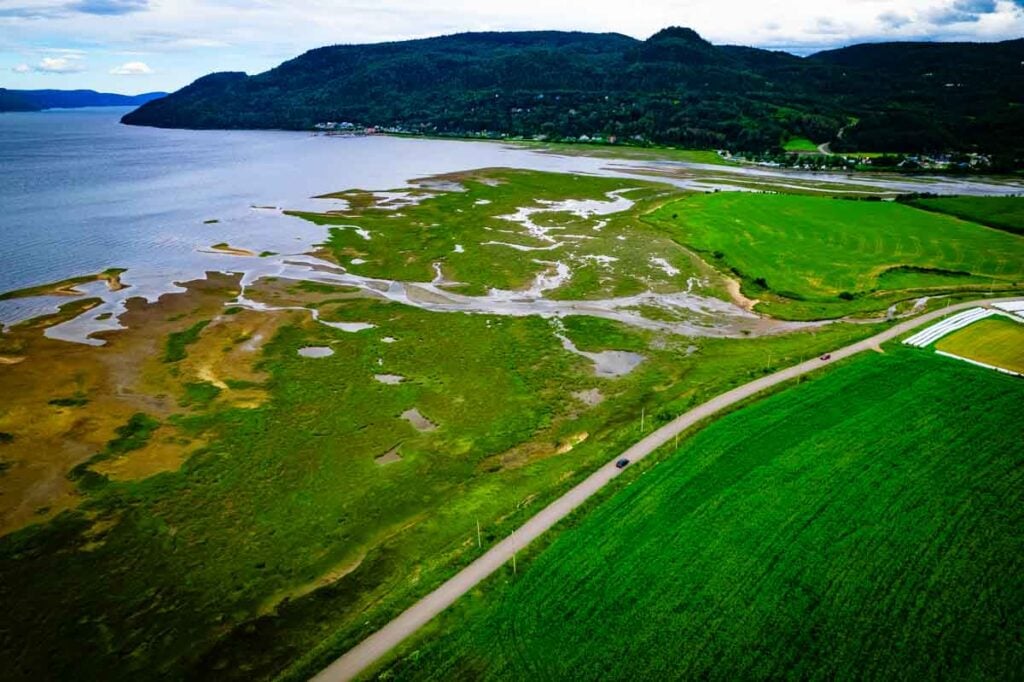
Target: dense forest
(37,100)
(673,88)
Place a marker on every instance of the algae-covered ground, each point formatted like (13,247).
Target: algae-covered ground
(195,499)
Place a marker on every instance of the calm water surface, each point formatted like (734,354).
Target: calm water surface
(80,193)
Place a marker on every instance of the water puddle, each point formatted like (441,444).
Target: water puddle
(389,457)
(350,327)
(390,379)
(664,266)
(581,208)
(418,421)
(607,364)
(316,352)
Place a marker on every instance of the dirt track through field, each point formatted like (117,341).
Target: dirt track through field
(374,647)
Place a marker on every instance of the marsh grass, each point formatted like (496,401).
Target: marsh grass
(176,348)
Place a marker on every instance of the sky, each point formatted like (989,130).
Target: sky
(134,46)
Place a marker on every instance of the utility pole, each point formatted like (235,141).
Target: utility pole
(479,544)
(643,413)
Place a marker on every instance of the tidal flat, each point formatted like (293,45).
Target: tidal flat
(255,511)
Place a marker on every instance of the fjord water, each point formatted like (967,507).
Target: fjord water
(80,193)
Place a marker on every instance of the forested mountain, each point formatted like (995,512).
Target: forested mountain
(37,100)
(673,88)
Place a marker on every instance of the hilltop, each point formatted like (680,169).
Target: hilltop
(674,88)
(37,100)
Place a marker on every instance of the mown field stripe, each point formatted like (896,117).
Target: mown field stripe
(374,647)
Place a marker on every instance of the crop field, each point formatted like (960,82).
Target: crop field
(866,523)
(800,144)
(808,258)
(994,341)
(254,512)
(1003,213)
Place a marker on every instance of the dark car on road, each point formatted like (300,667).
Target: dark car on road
(622,463)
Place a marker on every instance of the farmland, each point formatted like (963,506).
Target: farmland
(255,512)
(809,258)
(800,144)
(303,414)
(867,520)
(994,341)
(1003,213)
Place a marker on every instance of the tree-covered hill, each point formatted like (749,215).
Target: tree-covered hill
(673,88)
(37,100)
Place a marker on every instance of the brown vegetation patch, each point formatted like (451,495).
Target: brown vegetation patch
(62,402)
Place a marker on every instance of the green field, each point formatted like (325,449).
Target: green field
(808,257)
(866,524)
(995,341)
(210,570)
(1004,213)
(468,233)
(281,540)
(652,153)
(800,144)
(254,513)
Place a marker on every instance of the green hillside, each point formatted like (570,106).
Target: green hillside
(674,87)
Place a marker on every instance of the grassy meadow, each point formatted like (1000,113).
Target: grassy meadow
(470,235)
(995,341)
(254,513)
(1003,213)
(800,144)
(281,542)
(866,523)
(811,258)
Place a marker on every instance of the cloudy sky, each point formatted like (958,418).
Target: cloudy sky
(141,45)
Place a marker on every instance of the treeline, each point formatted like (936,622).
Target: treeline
(674,88)
(37,100)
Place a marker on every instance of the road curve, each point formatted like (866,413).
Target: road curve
(371,649)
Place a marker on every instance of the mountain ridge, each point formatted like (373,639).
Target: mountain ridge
(37,100)
(673,88)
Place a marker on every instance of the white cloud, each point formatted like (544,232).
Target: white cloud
(132,69)
(22,68)
(59,65)
(254,35)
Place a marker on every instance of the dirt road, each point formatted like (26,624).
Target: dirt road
(371,649)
